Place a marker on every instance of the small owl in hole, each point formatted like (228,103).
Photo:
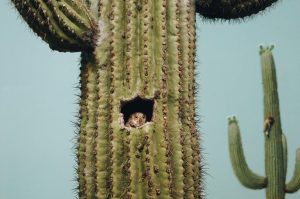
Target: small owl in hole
(136,119)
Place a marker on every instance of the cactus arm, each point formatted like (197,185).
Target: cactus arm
(241,169)
(64,25)
(230,9)
(294,184)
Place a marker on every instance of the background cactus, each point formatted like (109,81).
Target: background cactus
(275,142)
(135,51)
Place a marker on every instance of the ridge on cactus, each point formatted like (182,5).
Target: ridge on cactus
(137,56)
(274,180)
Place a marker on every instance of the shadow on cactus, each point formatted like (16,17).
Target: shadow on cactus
(137,135)
(275,142)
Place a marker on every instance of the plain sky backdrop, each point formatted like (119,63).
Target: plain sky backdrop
(38,102)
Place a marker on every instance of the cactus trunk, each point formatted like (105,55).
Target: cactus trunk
(145,52)
(274,162)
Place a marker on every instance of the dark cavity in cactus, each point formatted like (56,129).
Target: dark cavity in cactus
(136,56)
(275,142)
(138,104)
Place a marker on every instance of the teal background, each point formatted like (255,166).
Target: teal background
(38,102)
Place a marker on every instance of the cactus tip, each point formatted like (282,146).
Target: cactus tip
(232,118)
(263,49)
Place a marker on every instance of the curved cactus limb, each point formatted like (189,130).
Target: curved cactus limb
(241,169)
(294,184)
(231,9)
(64,25)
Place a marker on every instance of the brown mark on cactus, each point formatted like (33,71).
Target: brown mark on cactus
(268,123)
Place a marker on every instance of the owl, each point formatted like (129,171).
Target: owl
(268,123)
(136,119)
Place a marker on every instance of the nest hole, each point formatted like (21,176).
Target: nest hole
(137,104)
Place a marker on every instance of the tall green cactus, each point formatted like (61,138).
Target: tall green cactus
(137,56)
(275,142)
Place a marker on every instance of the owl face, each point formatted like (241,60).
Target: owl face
(136,120)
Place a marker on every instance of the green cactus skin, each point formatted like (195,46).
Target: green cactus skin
(130,48)
(65,25)
(275,142)
(241,169)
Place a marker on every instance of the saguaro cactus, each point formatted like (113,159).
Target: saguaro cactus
(275,142)
(137,56)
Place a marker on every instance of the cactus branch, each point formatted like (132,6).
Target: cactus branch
(294,184)
(241,169)
(64,25)
(230,9)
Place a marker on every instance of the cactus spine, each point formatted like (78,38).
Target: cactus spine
(135,51)
(275,142)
